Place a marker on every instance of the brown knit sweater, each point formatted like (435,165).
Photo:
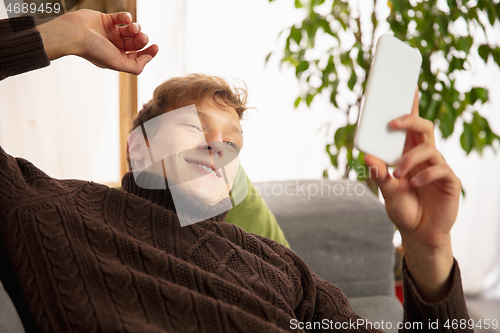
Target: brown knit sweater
(79,256)
(21,47)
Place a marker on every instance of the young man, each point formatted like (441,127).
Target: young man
(184,126)
(82,256)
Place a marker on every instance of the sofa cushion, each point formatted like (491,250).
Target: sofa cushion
(340,229)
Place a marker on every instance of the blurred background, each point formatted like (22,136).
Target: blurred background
(66,120)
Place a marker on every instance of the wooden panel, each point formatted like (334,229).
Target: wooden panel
(107,6)
(128,109)
(128,103)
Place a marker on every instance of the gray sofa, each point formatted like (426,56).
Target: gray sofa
(9,319)
(343,233)
(339,228)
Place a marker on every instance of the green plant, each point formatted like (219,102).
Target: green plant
(430,28)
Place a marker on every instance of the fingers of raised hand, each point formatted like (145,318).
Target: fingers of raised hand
(151,50)
(424,152)
(441,171)
(137,60)
(135,43)
(377,170)
(128,37)
(120,18)
(414,109)
(422,127)
(130,30)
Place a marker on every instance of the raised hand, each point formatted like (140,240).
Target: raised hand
(422,200)
(96,37)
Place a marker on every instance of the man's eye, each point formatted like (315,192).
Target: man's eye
(194,126)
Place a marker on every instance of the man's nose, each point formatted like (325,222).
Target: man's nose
(215,143)
(214,136)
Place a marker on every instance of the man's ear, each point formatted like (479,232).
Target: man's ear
(136,147)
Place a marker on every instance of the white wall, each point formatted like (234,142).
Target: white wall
(476,234)
(64,119)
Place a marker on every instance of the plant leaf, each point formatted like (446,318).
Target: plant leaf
(432,111)
(478,93)
(447,117)
(352,80)
(268,56)
(464,44)
(297,102)
(456,63)
(484,51)
(296,34)
(303,66)
(467,138)
(309,99)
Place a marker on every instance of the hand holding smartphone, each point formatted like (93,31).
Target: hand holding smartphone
(390,90)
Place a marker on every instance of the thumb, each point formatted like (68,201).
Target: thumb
(142,61)
(137,60)
(380,175)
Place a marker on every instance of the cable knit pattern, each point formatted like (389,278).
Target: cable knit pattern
(82,257)
(90,258)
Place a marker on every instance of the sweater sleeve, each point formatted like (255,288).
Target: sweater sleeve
(327,306)
(320,305)
(446,315)
(333,311)
(21,47)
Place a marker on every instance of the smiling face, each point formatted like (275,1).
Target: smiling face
(195,148)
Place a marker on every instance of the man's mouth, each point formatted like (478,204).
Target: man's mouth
(205,166)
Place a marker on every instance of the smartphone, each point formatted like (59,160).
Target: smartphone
(389,94)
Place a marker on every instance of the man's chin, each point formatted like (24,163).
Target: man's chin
(205,192)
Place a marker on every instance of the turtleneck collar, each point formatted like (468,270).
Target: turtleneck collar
(191,208)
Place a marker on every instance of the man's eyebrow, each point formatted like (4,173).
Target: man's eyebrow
(236,129)
(233,127)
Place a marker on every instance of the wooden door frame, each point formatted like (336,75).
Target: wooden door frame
(128,102)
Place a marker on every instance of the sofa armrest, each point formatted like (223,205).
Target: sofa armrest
(10,322)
